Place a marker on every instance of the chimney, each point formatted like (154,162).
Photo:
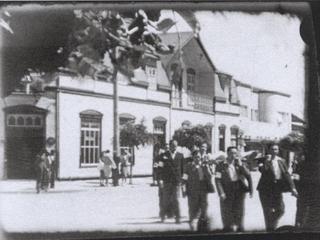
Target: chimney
(26,80)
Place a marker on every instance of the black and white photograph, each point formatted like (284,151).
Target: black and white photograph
(157,119)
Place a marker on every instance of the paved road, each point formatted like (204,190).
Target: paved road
(85,206)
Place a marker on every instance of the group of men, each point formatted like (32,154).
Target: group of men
(195,177)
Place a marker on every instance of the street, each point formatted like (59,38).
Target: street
(84,206)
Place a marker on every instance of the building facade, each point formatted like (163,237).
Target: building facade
(78,111)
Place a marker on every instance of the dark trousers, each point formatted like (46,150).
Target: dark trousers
(115,177)
(52,176)
(232,208)
(273,207)
(198,205)
(42,179)
(169,203)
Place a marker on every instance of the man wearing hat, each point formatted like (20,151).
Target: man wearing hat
(45,166)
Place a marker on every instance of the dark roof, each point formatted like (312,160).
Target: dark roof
(173,39)
(296,119)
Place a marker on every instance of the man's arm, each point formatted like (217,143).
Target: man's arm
(218,179)
(247,175)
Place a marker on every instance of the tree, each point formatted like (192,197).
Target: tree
(293,142)
(104,42)
(134,135)
(193,135)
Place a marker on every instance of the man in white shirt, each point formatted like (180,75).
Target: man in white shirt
(274,180)
(233,180)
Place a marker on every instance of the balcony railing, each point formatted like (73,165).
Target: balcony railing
(200,102)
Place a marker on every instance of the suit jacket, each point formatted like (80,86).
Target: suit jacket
(170,168)
(223,180)
(192,179)
(267,179)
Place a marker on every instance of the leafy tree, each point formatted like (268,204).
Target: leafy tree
(134,135)
(294,142)
(122,38)
(193,135)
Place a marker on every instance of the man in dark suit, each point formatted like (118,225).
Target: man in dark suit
(274,180)
(233,180)
(44,164)
(196,185)
(169,181)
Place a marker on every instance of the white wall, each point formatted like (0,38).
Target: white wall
(70,107)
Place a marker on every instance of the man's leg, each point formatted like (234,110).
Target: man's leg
(193,210)
(279,208)
(226,210)
(175,202)
(203,201)
(239,210)
(266,207)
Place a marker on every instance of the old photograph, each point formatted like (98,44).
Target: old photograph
(143,118)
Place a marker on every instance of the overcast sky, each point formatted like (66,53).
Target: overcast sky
(264,50)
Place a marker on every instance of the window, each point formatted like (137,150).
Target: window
(151,71)
(191,76)
(90,139)
(222,138)
(234,136)
(125,118)
(11,121)
(25,120)
(159,133)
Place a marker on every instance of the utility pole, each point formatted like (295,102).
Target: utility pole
(116,148)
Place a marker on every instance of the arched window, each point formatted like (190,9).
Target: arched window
(126,118)
(20,121)
(234,139)
(222,137)
(37,121)
(12,121)
(90,140)
(29,121)
(191,79)
(159,130)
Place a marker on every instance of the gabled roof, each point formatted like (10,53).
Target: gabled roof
(173,39)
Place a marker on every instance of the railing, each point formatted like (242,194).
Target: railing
(200,102)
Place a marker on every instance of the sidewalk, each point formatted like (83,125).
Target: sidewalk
(84,206)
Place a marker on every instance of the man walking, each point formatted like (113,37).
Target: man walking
(170,178)
(233,180)
(196,185)
(43,165)
(274,180)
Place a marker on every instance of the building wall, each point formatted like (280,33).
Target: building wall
(2,140)
(71,105)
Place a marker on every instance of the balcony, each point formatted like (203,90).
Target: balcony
(192,101)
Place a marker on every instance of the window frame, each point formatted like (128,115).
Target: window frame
(222,128)
(191,80)
(93,118)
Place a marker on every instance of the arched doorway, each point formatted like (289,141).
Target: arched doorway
(25,137)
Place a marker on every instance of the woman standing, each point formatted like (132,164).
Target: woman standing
(107,164)
(125,164)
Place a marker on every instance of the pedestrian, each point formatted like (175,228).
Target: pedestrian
(197,184)
(275,179)
(43,164)
(169,183)
(124,165)
(115,171)
(157,159)
(207,157)
(233,181)
(302,209)
(106,166)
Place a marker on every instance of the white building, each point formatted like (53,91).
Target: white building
(78,112)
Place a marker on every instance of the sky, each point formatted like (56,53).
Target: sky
(264,50)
